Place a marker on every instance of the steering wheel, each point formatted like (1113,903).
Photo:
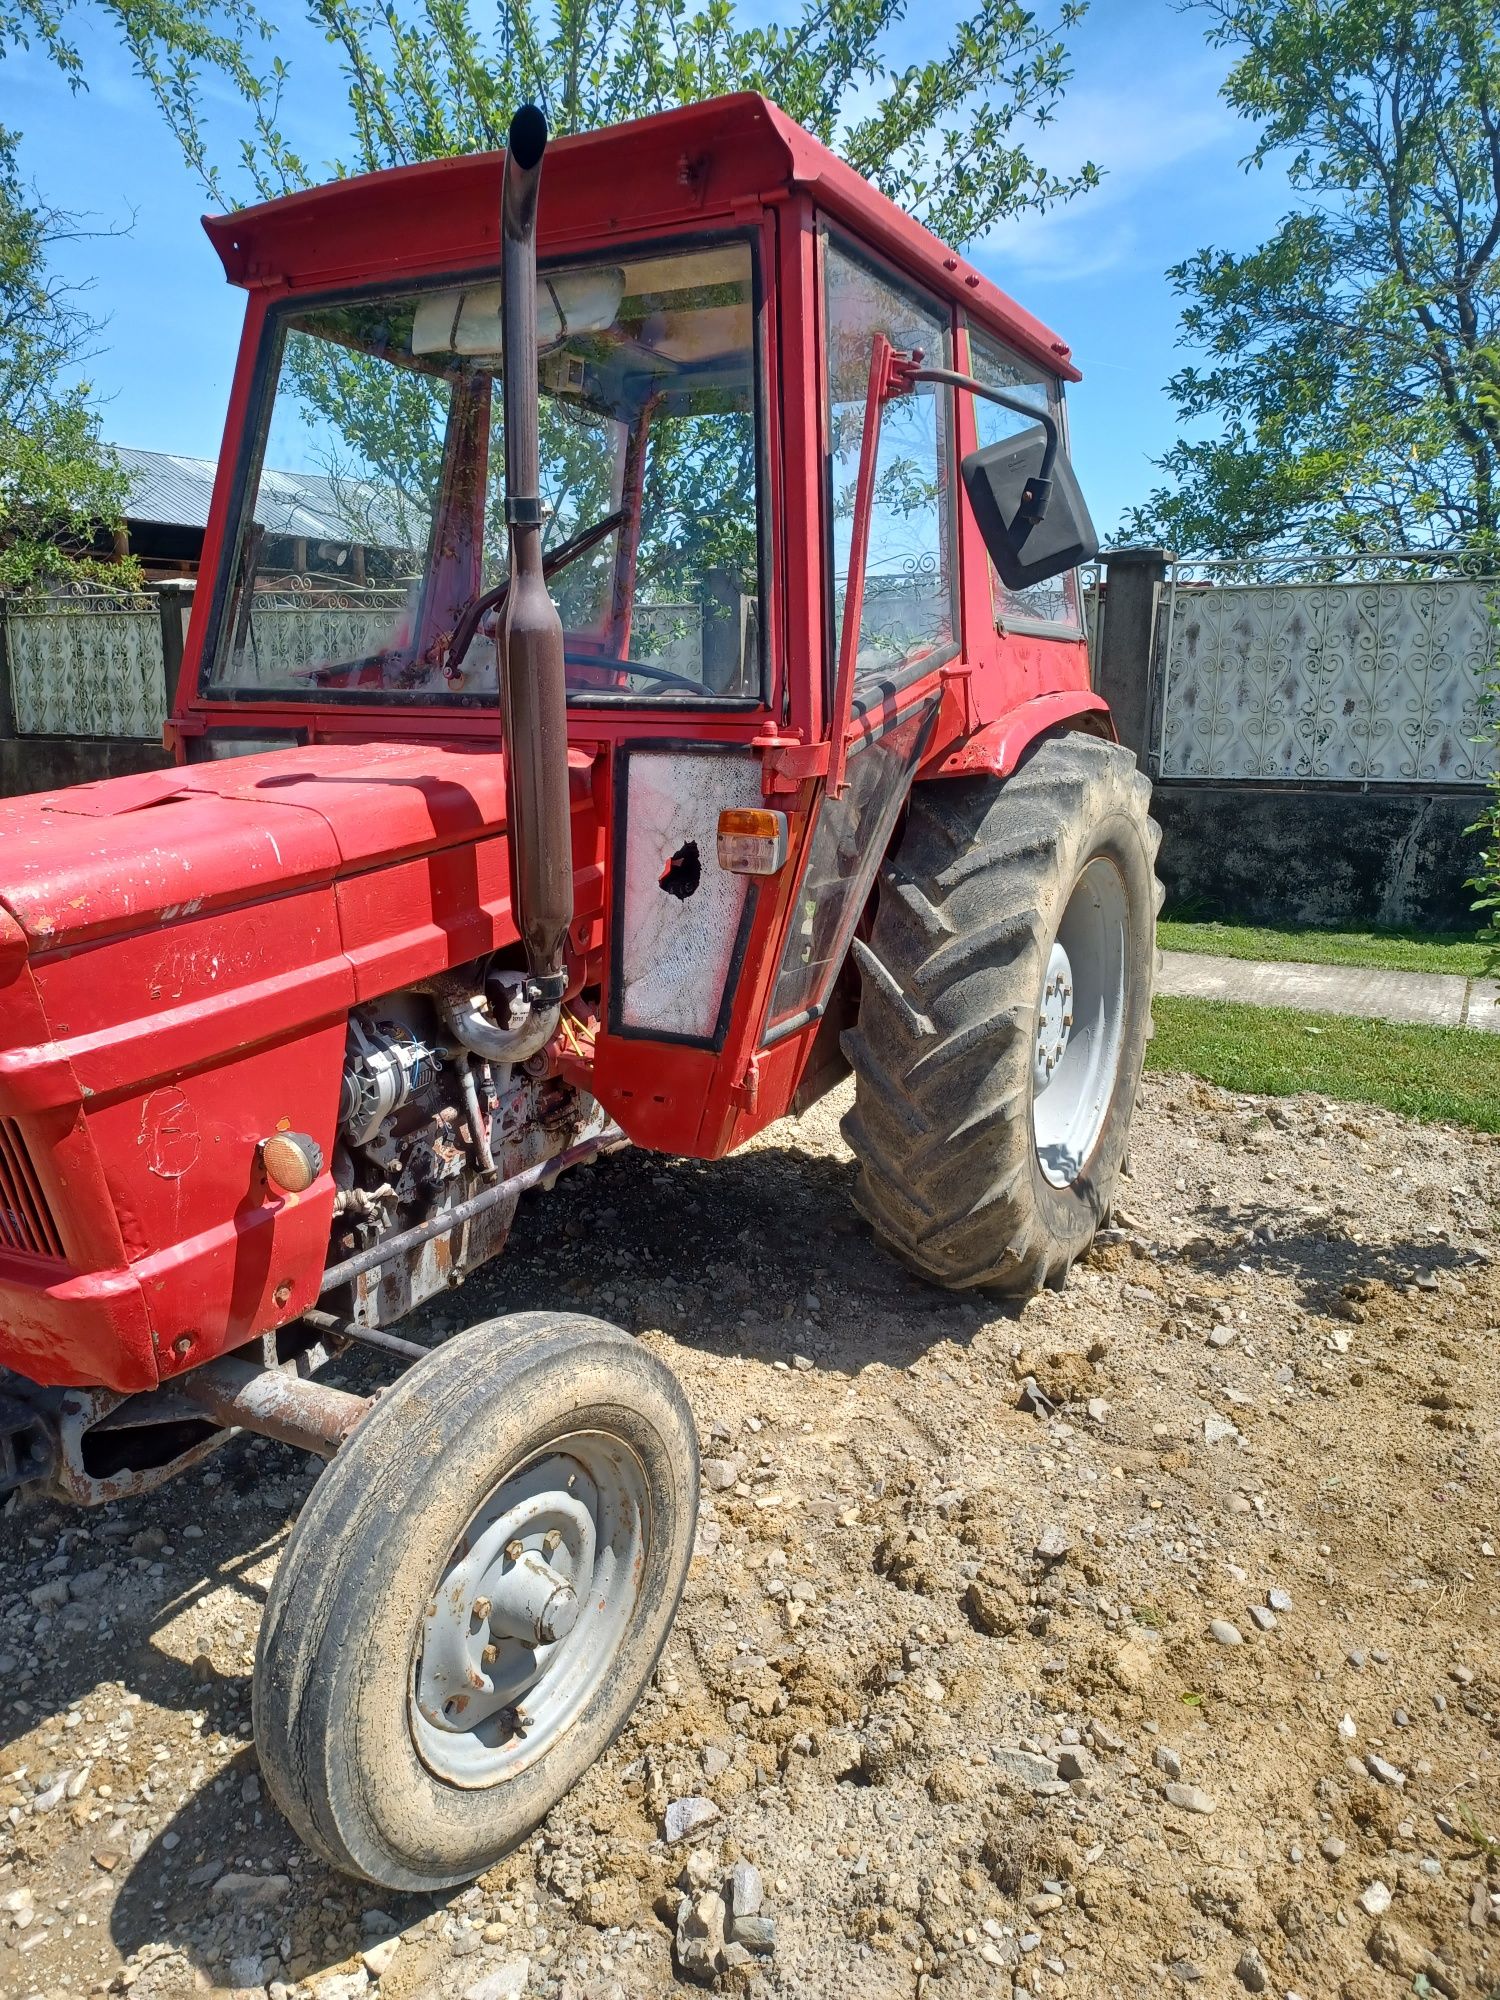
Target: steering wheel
(470,618)
(475,611)
(661,674)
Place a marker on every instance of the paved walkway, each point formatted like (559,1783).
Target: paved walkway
(1435,999)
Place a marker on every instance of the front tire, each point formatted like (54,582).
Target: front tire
(475,1597)
(1004,1011)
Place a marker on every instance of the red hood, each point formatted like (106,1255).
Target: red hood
(195,941)
(127,853)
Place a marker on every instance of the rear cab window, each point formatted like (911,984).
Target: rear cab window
(1052,608)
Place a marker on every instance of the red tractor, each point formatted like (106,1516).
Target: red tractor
(638,674)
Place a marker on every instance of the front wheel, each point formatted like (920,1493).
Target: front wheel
(1004,1010)
(475,1596)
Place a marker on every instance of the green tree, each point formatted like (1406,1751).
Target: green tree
(946,137)
(58,483)
(172,45)
(1351,360)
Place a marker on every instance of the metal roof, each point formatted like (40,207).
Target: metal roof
(698,164)
(175,491)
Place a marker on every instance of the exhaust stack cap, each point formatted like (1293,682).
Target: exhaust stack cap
(527,139)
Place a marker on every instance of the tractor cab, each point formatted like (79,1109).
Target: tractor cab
(764,561)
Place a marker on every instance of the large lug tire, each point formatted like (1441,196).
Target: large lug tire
(1004,1013)
(475,1597)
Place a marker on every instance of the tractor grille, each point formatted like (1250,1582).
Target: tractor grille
(25,1219)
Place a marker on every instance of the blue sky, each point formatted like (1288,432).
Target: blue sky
(1144,104)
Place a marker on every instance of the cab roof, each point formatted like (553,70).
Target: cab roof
(705,162)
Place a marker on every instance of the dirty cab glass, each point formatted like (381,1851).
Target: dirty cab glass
(1052,606)
(372,533)
(907,613)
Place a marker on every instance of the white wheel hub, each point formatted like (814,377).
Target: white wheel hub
(1054,1018)
(531,1607)
(1080,1024)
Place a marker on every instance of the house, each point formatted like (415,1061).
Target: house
(305,518)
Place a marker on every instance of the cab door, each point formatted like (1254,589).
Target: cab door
(890,555)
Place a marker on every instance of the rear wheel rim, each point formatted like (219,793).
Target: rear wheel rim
(530,1611)
(1080,1027)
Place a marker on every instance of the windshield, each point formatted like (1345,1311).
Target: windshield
(370,556)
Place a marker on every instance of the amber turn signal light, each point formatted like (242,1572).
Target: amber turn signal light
(292,1161)
(752,840)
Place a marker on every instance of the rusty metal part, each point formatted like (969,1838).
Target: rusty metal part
(159,1451)
(275,1403)
(479,1119)
(329,1324)
(533,708)
(27,1445)
(156,1447)
(107,1446)
(392,1247)
(469,1018)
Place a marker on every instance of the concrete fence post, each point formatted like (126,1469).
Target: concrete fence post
(7,688)
(174,604)
(1122,672)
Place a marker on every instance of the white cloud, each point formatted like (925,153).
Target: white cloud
(1142,133)
(1145,107)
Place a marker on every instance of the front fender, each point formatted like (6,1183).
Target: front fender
(997,747)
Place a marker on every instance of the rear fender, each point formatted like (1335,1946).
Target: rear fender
(998,747)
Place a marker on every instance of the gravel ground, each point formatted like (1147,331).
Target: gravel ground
(1140,1640)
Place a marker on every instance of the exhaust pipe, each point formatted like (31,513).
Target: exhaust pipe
(533,691)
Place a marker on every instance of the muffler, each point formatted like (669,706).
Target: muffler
(532,675)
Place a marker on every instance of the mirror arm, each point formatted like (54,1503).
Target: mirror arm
(887,378)
(1038,488)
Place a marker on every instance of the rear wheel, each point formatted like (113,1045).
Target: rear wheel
(475,1596)
(1004,1011)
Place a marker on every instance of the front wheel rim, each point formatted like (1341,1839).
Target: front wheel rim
(1080,1027)
(531,1609)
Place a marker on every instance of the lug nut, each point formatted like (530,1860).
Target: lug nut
(489,1656)
(551,1539)
(515,1549)
(481,1608)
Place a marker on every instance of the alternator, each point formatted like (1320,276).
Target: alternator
(386,1064)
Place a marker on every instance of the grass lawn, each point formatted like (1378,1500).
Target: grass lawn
(1400,951)
(1451,1074)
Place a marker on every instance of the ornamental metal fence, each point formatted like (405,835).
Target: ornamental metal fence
(1091,596)
(289,634)
(86,664)
(1376,672)
(1381,672)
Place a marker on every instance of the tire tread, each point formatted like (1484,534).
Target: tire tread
(969,900)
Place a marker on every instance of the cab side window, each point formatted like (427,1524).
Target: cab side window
(908,614)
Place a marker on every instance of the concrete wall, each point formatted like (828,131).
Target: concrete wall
(1326,854)
(47,763)
(1335,856)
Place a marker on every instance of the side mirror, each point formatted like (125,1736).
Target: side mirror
(1002,482)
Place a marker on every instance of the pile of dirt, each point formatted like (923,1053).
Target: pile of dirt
(1139,1640)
